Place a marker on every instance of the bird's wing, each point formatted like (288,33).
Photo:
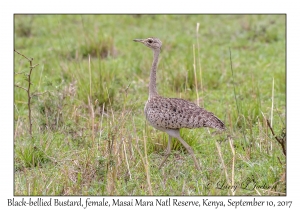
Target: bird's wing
(175,113)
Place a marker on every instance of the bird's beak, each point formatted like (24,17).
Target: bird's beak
(138,40)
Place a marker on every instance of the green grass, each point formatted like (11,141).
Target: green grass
(89,131)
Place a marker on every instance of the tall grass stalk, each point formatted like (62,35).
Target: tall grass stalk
(92,118)
(147,165)
(91,105)
(90,75)
(101,125)
(199,63)
(233,163)
(223,164)
(126,159)
(234,91)
(195,75)
(235,97)
(272,108)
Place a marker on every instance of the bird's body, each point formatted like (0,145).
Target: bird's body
(175,113)
(171,114)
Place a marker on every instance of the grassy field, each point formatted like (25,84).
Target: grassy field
(89,134)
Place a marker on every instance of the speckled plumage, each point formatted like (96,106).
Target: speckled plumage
(171,114)
(176,113)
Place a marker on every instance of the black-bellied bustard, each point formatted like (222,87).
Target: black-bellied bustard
(171,114)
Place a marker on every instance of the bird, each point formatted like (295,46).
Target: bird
(171,114)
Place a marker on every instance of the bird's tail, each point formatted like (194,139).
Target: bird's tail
(214,122)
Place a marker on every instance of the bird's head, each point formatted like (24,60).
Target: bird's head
(151,42)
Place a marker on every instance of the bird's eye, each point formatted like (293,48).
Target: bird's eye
(150,41)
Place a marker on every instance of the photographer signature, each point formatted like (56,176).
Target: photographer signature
(248,184)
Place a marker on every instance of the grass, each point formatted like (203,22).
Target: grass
(89,134)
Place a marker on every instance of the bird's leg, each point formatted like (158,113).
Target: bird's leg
(176,134)
(167,153)
(190,150)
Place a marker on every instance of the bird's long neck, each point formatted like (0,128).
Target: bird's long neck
(152,83)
